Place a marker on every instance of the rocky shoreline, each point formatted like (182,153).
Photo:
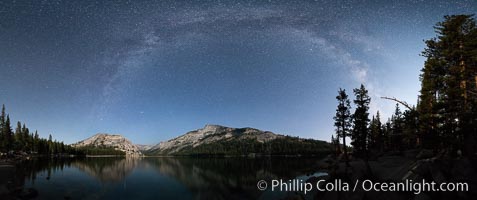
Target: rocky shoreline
(413,166)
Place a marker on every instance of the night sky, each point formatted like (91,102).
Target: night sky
(154,70)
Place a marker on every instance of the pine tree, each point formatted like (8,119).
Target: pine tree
(7,130)
(387,135)
(26,139)
(36,141)
(411,128)
(31,138)
(2,133)
(397,129)
(50,144)
(336,145)
(448,96)
(372,139)
(343,120)
(18,143)
(380,133)
(376,133)
(360,131)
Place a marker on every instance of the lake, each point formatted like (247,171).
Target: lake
(154,178)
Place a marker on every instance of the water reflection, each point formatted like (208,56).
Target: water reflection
(228,178)
(150,178)
(112,169)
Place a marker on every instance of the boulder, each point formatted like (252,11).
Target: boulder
(425,153)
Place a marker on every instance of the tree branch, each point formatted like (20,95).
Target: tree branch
(399,101)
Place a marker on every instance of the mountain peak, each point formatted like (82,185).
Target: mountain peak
(212,133)
(211,128)
(105,134)
(115,141)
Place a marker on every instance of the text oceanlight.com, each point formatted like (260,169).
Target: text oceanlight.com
(297,185)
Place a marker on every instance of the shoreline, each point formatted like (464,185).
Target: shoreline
(413,165)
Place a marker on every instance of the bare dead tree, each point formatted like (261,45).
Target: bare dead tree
(399,101)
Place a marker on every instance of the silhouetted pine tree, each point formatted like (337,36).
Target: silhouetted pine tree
(376,134)
(36,141)
(8,133)
(448,98)
(2,134)
(18,143)
(26,138)
(397,124)
(343,120)
(336,145)
(387,135)
(411,128)
(360,122)
(50,144)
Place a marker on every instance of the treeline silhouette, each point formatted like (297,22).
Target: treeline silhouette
(445,117)
(98,150)
(22,141)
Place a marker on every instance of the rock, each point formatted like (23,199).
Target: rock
(4,190)
(117,142)
(323,165)
(144,147)
(422,196)
(210,134)
(389,195)
(425,153)
(437,174)
(421,168)
(463,170)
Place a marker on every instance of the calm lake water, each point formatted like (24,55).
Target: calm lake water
(157,178)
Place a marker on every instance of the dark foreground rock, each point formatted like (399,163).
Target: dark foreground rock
(409,166)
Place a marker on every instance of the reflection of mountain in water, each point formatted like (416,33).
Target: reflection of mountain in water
(227,178)
(107,169)
(204,178)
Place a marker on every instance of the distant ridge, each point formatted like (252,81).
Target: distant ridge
(223,139)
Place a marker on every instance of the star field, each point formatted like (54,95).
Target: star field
(154,70)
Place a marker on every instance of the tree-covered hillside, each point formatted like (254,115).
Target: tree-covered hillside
(22,141)
(237,147)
